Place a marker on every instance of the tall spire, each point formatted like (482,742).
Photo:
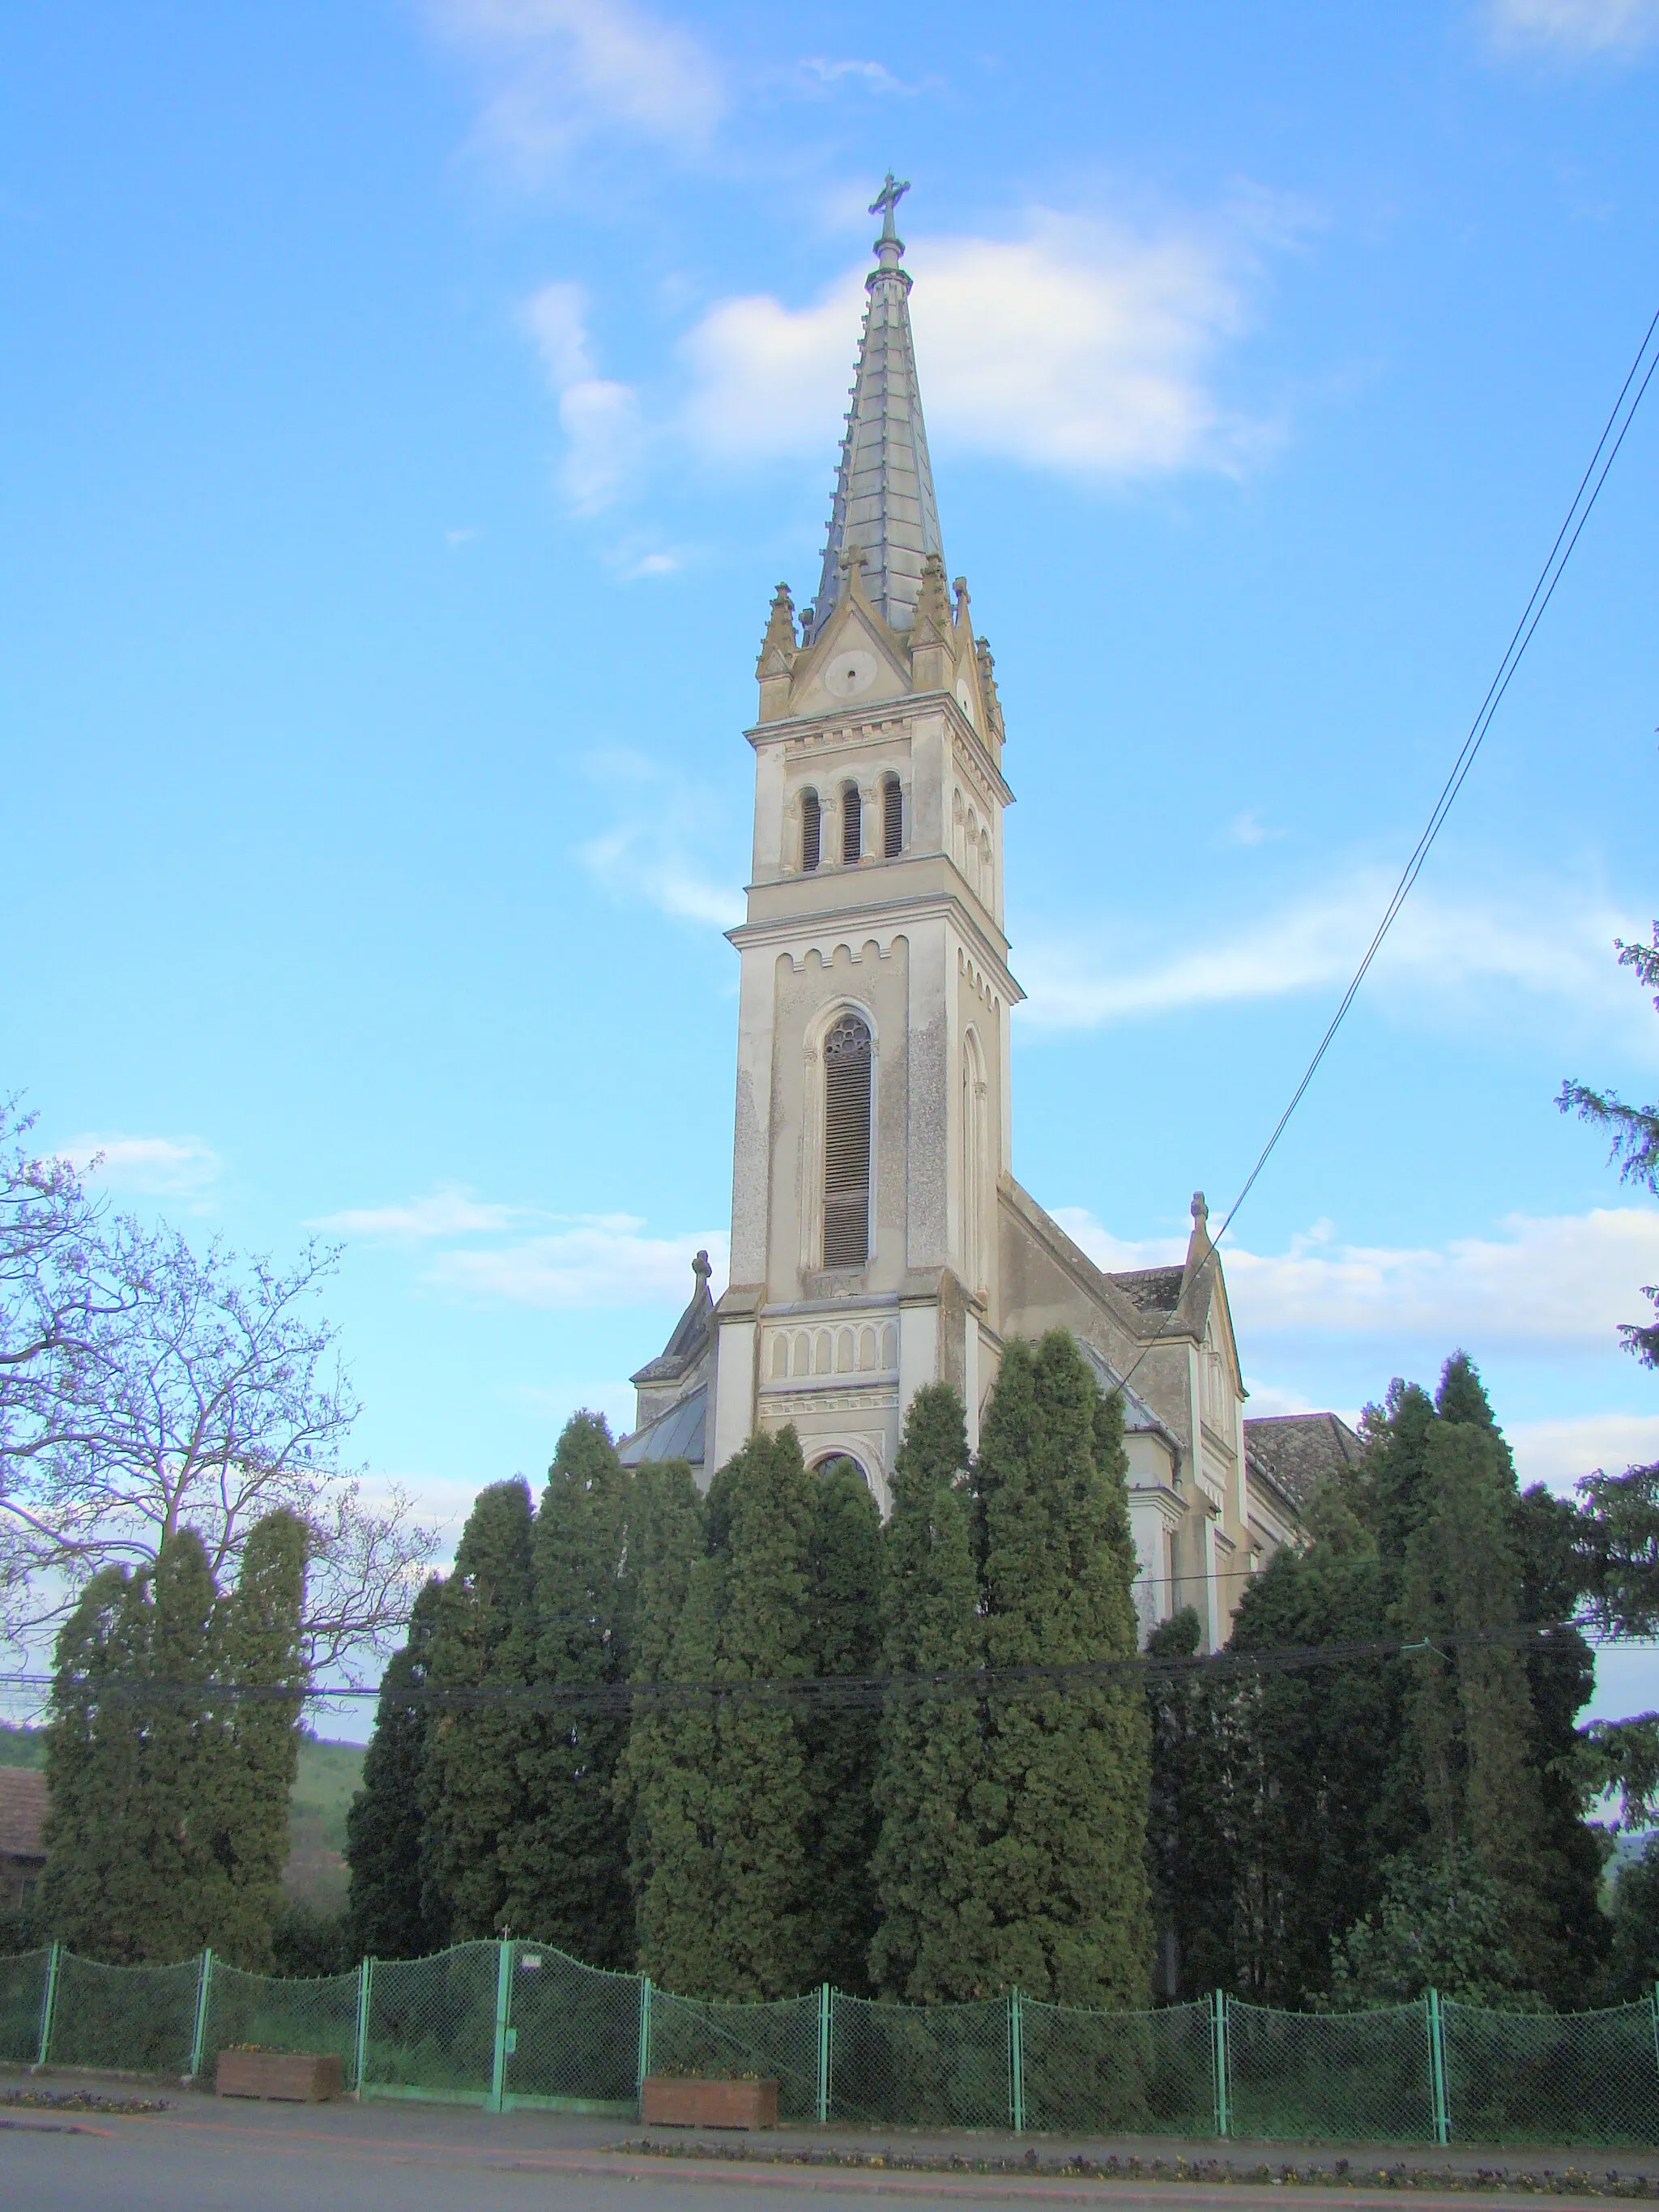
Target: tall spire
(883,505)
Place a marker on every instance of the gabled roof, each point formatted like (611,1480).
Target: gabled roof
(1154,1290)
(884,502)
(690,1339)
(1298,1451)
(22,1813)
(676,1434)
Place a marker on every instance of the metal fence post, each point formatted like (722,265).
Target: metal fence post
(826,2018)
(1016,2064)
(49,2003)
(504,2008)
(204,1991)
(644,2067)
(1437,2066)
(365,1989)
(1220,2064)
(1655,2022)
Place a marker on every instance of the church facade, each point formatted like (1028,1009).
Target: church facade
(879,1239)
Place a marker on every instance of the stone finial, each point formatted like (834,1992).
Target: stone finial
(1200,1211)
(851,565)
(702,1270)
(959,586)
(780,645)
(988,688)
(932,621)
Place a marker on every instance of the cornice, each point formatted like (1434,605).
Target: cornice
(888,915)
(909,706)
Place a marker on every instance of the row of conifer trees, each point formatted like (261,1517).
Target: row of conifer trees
(918,1846)
(1346,1832)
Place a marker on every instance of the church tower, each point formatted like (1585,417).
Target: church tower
(879,1238)
(873,1098)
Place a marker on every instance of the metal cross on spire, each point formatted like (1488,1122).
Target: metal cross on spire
(884,203)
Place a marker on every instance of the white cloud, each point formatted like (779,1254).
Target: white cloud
(604,443)
(559,72)
(656,851)
(149,1167)
(1556,1285)
(450,1210)
(1559,1452)
(1577,27)
(1548,938)
(601,1260)
(557,318)
(825,76)
(604,438)
(1248,828)
(1078,347)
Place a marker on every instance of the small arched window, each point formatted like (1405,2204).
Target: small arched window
(847,1144)
(812,830)
(852,824)
(892,817)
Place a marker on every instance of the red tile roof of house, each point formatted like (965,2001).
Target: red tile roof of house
(22,1813)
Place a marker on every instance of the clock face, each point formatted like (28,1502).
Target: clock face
(850,672)
(965,697)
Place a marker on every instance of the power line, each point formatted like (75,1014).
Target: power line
(813,1691)
(1623,413)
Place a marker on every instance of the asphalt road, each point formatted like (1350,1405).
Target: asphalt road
(207,2157)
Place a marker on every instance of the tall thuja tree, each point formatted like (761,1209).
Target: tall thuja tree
(168,1821)
(1560,1681)
(259,1649)
(566,1865)
(1064,1797)
(722,1788)
(97,1894)
(387,1911)
(473,1789)
(1468,1709)
(1194,1857)
(840,1742)
(665,1538)
(932,1942)
(1314,1748)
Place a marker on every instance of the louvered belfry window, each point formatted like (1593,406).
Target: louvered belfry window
(847,1144)
(812,830)
(892,818)
(852,825)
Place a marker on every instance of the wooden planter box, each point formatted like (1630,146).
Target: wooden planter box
(686,2100)
(294,2077)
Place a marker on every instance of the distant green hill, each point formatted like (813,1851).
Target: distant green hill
(21,1746)
(329,1774)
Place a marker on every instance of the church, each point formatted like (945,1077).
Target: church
(879,1239)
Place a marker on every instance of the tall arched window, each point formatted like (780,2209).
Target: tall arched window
(892,817)
(847,1144)
(852,824)
(812,830)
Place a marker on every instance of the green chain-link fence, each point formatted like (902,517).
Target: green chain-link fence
(571,2034)
(511,2024)
(23,1994)
(922,2065)
(1134,2073)
(1346,2077)
(1588,2077)
(431,2026)
(777,2042)
(135,2020)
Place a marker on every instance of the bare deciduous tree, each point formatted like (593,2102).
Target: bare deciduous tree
(144,1387)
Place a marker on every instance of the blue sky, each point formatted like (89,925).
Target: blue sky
(410,412)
